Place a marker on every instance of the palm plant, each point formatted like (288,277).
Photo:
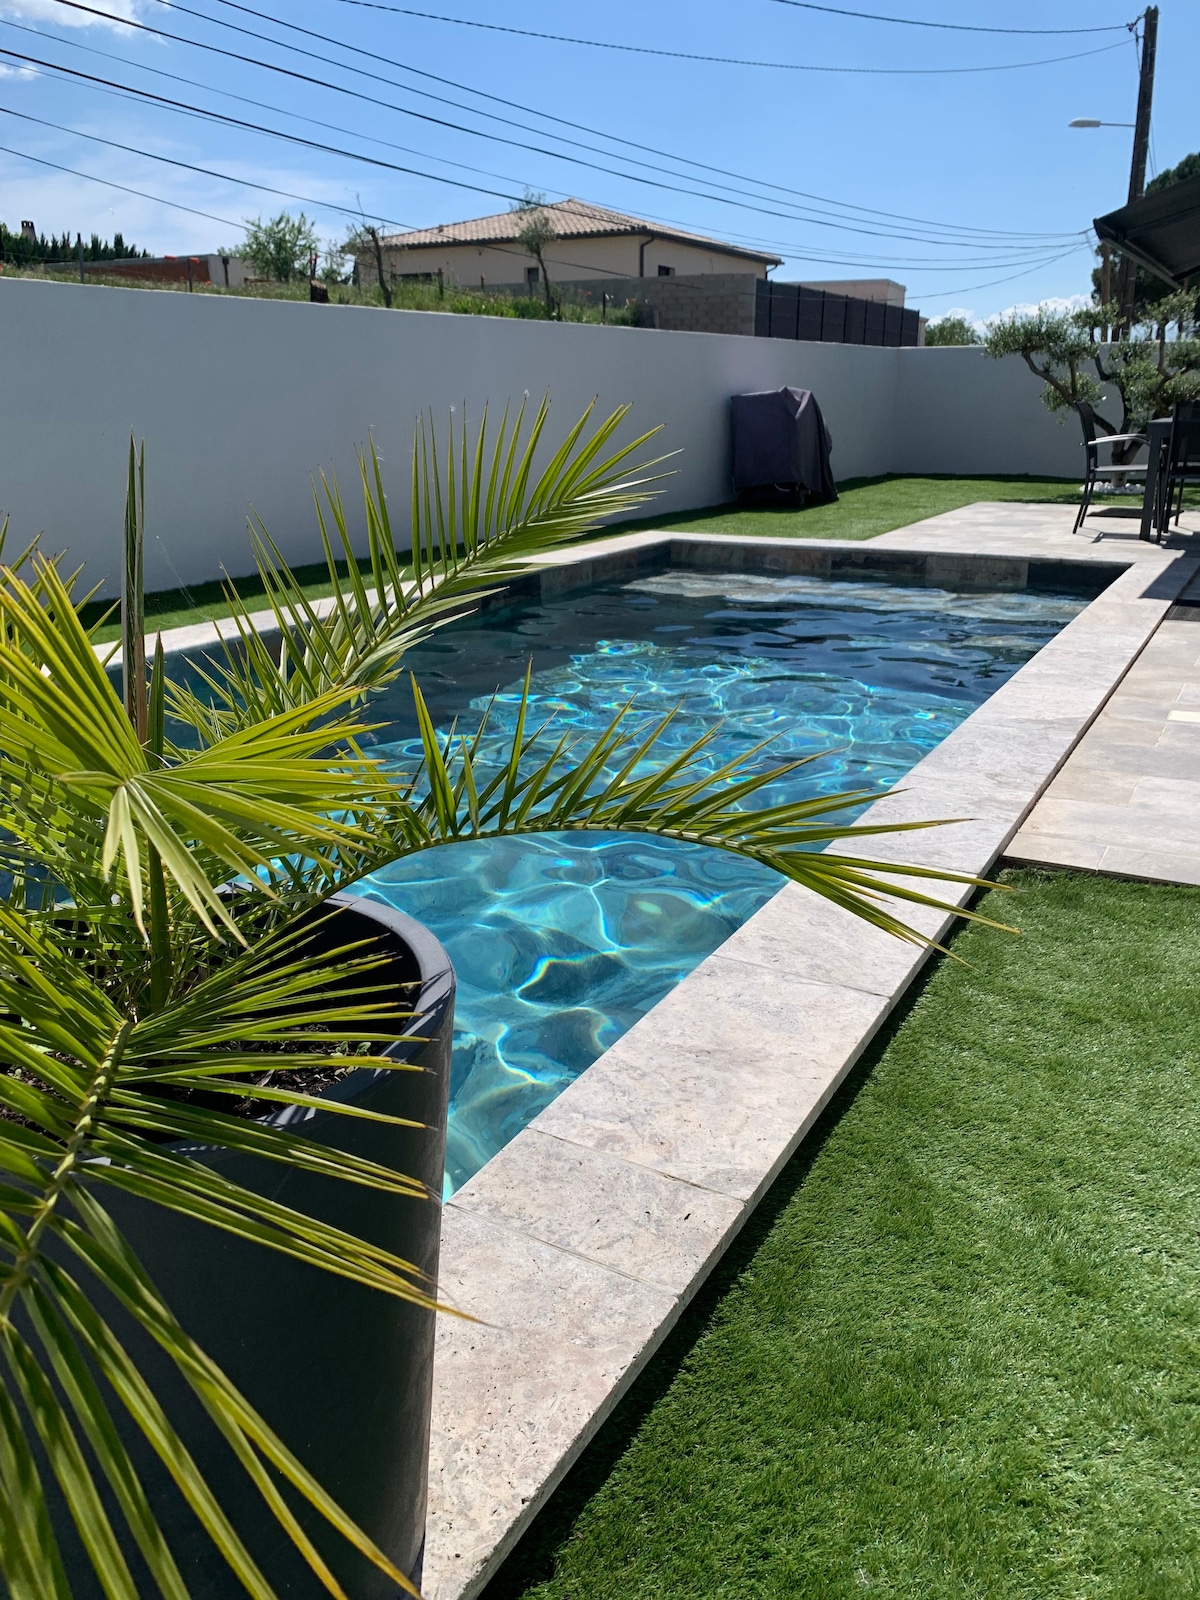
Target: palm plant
(165,850)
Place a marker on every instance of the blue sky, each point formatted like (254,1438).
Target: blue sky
(969,151)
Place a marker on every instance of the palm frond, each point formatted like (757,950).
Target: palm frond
(611,783)
(70,750)
(483,514)
(133,1033)
(96,1099)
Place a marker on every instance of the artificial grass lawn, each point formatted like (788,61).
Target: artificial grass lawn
(958,1357)
(867,506)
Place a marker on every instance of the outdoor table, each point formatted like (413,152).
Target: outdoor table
(1158,438)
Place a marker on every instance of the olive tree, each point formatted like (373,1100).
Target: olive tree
(535,235)
(1142,374)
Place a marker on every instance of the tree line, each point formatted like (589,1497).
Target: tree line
(22,250)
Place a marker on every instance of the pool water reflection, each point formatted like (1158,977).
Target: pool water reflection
(562,941)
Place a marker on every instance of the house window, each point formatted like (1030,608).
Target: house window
(531,277)
(666,272)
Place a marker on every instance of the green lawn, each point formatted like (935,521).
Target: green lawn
(867,506)
(956,1355)
(178,608)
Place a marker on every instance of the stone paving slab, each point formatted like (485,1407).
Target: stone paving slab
(559,1337)
(583,1240)
(1127,802)
(1006,527)
(1156,866)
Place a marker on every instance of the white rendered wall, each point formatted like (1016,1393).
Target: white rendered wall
(239,401)
(959,412)
(610,255)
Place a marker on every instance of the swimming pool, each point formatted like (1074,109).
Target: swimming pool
(563,941)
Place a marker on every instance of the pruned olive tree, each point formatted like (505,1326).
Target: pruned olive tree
(535,236)
(1142,374)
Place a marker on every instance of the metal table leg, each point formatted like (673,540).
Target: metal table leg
(1158,434)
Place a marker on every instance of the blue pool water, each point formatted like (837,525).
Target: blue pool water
(561,942)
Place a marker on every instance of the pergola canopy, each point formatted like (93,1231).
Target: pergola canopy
(1161,231)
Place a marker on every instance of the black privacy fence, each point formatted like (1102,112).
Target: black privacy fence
(792,311)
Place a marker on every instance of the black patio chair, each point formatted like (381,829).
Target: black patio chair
(1102,471)
(1182,467)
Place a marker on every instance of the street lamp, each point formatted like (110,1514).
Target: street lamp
(1105,266)
(1148,40)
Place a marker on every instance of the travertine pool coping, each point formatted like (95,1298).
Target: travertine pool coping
(580,1243)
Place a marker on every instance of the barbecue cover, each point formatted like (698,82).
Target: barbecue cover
(780,438)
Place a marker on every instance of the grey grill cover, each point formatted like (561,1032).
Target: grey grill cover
(780,438)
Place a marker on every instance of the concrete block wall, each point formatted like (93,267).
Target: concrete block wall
(706,302)
(716,302)
(241,401)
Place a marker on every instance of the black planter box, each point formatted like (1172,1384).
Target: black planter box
(342,1373)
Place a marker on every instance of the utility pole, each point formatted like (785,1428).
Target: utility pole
(1141,147)
(1141,127)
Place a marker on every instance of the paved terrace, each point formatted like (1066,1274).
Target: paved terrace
(1127,802)
(580,1243)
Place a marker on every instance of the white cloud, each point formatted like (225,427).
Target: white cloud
(16,72)
(1026,308)
(116,11)
(955,311)
(1055,302)
(63,202)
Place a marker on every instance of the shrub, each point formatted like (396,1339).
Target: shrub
(951,330)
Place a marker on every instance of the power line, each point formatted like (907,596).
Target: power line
(284,193)
(253,127)
(991,284)
(807,252)
(630,144)
(738,61)
(175,205)
(348,211)
(326,204)
(108,183)
(186,166)
(950,27)
(196,83)
(141,194)
(870,232)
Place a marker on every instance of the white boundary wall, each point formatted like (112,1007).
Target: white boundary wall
(239,401)
(957,412)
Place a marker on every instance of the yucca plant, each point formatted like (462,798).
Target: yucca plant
(166,851)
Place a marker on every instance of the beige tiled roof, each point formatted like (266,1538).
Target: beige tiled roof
(572,219)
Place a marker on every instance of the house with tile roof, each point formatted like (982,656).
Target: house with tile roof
(591,242)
